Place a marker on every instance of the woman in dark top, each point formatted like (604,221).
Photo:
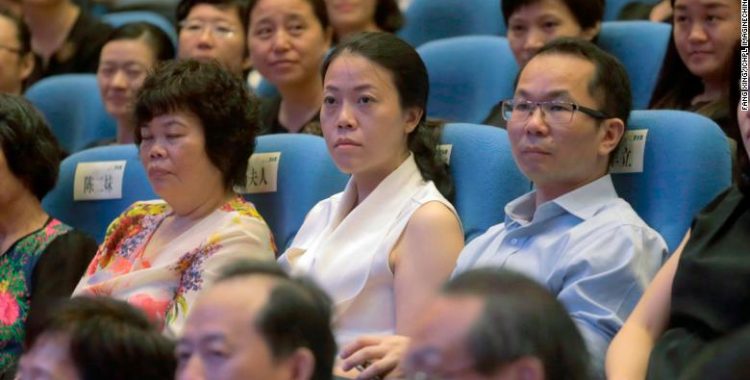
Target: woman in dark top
(42,259)
(700,299)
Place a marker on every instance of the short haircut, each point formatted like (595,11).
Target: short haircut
(31,151)
(297,314)
(220,99)
(520,318)
(185,6)
(23,35)
(610,84)
(318,6)
(586,12)
(156,39)
(110,339)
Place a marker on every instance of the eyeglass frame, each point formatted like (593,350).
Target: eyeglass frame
(596,114)
(11,49)
(207,24)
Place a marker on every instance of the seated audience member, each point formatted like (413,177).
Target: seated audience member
(64,37)
(351,17)
(572,233)
(16,58)
(214,29)
(288,40)
(383,247)
(694,314)
(266,326)
(660,11)
(196,129)
(533,23)
(97,338)
(42,258)
(496,324)
(695,73)
(127,56)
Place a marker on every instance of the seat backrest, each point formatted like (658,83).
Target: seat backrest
(485,175)
(72,105)
(429,20)
(640,46)
(93,216)
(117,19)
(686,162)
(468,76)
(290,173)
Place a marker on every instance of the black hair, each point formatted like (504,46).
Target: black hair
(520,318)
(156,39)
(227,110)
(109,339)
(32,153)
(23,34)
(297,314)
(318,6)
(410,79)
(388,16)
(241,6)
(586,12)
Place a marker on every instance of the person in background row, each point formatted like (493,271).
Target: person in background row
(129,53)
(288,40)
(196,130)
(214,29)
(496,324)
(266,325)
(16,58)
(533,23)
(383,247)
(89,338)
(349,17)
(64,37)
(695,73)
(42,258)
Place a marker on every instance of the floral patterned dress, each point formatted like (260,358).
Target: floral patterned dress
(165,285)
(21,281)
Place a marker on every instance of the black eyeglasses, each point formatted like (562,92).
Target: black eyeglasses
(553,111)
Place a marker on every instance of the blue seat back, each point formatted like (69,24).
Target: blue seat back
(468,76)
(72,105)
(93,216)
(429,20)
(306,175)
(686,163)
(485,175)
(640,46)
(117,19)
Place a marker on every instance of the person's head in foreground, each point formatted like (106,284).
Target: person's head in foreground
(94,338)
(255,322)
(214,30)
(567,115)
(496,324)
(533,23)
(196,126)
(126,58)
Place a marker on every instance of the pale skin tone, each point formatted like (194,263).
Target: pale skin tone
(628,355)
(287,43)
(366,131)
(123,65)
(705,32)
(173,153)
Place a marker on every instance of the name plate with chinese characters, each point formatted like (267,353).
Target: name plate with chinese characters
(262,173)
(98,180)
(629,156)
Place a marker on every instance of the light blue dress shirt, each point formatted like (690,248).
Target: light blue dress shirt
(588,247)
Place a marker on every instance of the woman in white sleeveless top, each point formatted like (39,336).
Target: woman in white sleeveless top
(384,246)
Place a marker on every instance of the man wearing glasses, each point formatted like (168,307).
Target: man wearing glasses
(214,29)
(572,233)
(16,58)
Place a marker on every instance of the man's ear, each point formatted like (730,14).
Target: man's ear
(612,130)
(301,364)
